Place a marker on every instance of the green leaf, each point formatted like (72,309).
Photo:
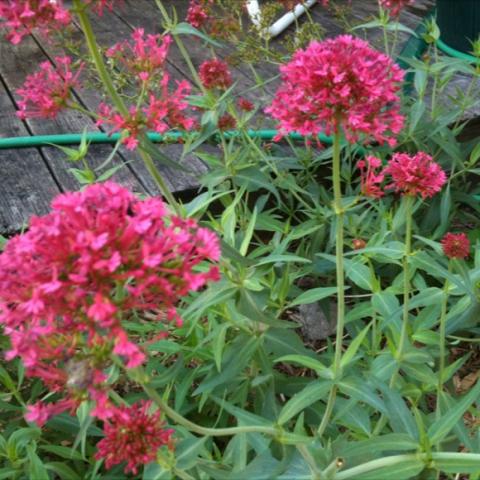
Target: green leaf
(441,427)
(248,233)
(184,28)
(243,417)
(22,437)
(280,342)
(393,26)
(253,179)
(7,381)
(304,361)
(360,274)
(352,349)
(187,451)
(218,345)
(303,399)
(358,389)
(456,462)
(426,297)
(403,467)
(390,442)
(154,471)
(8,473)
(241,352)
(63,452)
(205,133)
(63,471)
(84,177)
(425,262)
(279,258)
(314,295)
(475,155)
(399,415)
(36,468)
(263,467)
(153,150)
(386,304)
(214,295)
(111,172)
(164,346)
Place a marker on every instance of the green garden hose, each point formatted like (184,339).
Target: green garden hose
(97,137)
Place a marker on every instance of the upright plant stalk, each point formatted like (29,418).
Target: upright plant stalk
(409,200)
(339,218)
(442,332)
(117,100)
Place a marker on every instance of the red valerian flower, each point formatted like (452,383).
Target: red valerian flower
(214,73)
(47,91)
(99,5)
(133,435)
(456,245)
(66,284)
(196,14)
(340,83)
(245,105)
(160,114)
(415,174)
(22,16)
(144,56)
(370,179)
(395,6)
(226,122)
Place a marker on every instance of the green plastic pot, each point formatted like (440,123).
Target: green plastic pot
(459,23)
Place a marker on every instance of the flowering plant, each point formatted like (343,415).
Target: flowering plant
(311,312)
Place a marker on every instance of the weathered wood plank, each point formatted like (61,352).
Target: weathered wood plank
(17,62)
(27,185)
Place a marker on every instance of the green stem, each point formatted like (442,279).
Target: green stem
(339,213)
(117,100)
(97,57)
(181,47)
(442,332)
(184,422)
(409,201)
(394,460)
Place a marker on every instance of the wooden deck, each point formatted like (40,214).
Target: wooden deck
(31,177)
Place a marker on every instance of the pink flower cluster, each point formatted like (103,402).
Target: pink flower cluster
(69,281)
(133,435)
(99,5)
(370,178)
(197,16)
(415,175)
(456,245)
(395,6)
(339,84)
(160,114)
(22,16)
(48,90)
(410,175)
(214,73)
(144,56)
